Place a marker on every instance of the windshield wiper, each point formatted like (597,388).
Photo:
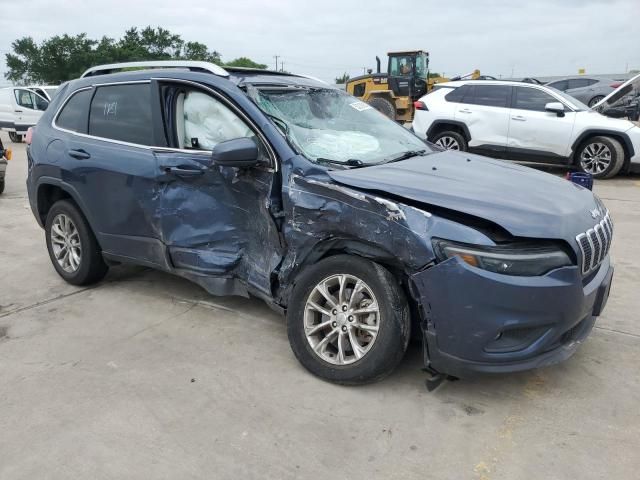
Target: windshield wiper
(405,155)
(351,162)
(278,121)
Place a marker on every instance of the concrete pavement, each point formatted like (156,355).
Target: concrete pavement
(146,376)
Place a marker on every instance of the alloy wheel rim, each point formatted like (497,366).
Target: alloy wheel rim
(595,158)
(65,243)
(448,143)
(341,319)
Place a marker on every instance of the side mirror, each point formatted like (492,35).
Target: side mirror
(239,152)
(555,107)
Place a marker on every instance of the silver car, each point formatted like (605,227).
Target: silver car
(588,90)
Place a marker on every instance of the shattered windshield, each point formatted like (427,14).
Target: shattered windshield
(328,125)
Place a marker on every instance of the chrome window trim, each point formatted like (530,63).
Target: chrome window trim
(252,125)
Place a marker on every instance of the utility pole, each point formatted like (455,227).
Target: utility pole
(276,57)
(282,66)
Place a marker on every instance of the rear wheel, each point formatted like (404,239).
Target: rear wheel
(1,185)
(595,100)
(450,140)
(73,249)
(348,320)
(15,137)
(602,157)
(383,105)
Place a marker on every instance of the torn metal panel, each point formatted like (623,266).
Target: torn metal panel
(219,224)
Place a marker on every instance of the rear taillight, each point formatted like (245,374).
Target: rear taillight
(29,136)
(615,84)
(418,105)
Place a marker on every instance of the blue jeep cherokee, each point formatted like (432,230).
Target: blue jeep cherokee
(274,185)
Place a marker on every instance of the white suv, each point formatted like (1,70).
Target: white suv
(520,121)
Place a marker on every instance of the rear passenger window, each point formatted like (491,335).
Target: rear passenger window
(457,94)
(579,83)
(73,115)
(122,112)
(532,99)
(489,95)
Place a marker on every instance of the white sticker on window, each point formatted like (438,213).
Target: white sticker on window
(360,106)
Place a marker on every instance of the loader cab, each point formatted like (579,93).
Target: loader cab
(408,73)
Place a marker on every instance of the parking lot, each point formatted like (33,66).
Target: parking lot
(147,376)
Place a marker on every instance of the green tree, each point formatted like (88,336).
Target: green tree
(245,62)
(343,79)
(64,57)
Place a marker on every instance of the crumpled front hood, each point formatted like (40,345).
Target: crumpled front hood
(524,201)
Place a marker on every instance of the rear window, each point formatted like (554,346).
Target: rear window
(457,94)
(489,95)
(73,115)
(580,82)
(122,112)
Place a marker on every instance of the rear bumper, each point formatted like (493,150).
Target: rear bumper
(475,321)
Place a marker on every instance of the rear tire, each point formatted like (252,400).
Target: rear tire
(15,138)
(450,140)
(1,186)
(595,100)
(333,337)
(602,157)
(383,105)
(72,246)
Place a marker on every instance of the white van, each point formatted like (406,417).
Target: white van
(46,91)
(20,108)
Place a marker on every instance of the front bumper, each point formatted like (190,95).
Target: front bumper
(475,321)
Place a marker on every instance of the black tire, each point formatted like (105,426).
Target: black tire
(92,267)
(450,140)
(383,105)
(595,100)
(1,186)
(15,137)
(616,153)
(394,328)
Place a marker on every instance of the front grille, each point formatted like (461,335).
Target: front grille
(594,244)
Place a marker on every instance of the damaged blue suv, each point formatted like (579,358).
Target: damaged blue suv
(278,186)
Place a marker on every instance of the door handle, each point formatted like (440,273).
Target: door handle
(519,118)
(18,111)
(184,171)
(79,154)
(466,110)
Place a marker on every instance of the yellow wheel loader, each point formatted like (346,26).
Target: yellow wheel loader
(407,79)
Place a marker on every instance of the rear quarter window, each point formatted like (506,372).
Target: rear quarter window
(457,94)
(123,113)
(73,115)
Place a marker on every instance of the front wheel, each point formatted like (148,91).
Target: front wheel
(348,320)
(383,105)
(595,100)
(602,157)
(15,138)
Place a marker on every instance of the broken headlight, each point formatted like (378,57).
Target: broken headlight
(525,261)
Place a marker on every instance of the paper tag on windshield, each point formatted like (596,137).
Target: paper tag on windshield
(360,106)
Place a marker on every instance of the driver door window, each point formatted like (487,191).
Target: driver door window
(203,121)
(25,99)
(30,100)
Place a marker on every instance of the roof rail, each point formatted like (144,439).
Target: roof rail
(192,65)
